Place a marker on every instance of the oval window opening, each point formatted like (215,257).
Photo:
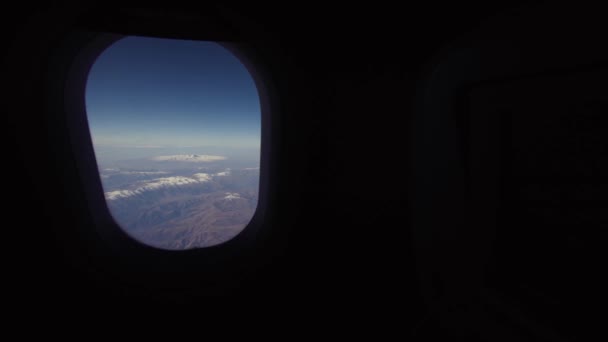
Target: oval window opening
(176,130)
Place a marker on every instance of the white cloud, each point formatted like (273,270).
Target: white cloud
(191,158)
(144,172)
(232,196)
(225,173)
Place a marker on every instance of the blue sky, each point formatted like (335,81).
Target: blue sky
(146,93)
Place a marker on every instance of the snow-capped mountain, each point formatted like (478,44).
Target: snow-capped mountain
(158,183)
(185,209)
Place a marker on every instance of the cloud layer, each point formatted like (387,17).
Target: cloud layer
(190,158)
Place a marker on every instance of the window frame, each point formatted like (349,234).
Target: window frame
(68,72)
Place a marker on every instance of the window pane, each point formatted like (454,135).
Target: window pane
(176,130)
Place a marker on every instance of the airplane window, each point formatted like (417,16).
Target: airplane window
(176,130)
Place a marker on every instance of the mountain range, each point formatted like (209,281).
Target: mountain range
(181,209)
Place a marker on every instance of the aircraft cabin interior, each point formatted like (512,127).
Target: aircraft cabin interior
(433,172)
